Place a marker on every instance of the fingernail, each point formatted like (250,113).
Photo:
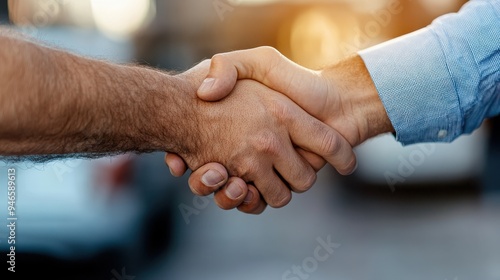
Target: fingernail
(212,178)
(207,85)
(233,191)
(249,197)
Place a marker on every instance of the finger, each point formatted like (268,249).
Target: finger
(253,202)
(314,160)
(232,194)
(220,81)
(208,179)
(294,169)
(176,164)
(274,191)
(315,136)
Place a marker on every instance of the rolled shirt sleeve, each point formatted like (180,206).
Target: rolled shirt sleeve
(444,80)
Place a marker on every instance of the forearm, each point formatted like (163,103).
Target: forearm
(53,102)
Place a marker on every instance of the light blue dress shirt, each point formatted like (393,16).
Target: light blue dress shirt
(444,80)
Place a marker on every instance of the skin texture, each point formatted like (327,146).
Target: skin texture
(53,104)
(341,95)
(267,126)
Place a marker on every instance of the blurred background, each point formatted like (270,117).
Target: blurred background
(418,212)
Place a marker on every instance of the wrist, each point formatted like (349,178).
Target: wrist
(165,118)
(137,109)
(363,113)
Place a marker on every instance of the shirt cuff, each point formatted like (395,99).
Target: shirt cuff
(416,88)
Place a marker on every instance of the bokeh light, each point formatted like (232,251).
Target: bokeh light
(121,18)
(314,37)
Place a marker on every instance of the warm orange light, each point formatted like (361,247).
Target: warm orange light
(314,39)
(121,18)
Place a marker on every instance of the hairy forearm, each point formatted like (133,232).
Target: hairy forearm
(53,102)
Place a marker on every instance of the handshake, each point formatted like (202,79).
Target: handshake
(252,125)
(264,126)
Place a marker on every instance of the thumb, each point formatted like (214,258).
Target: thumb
(220,81)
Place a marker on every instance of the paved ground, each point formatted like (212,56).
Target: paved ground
(449,233)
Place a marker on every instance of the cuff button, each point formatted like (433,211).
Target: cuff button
(442,134)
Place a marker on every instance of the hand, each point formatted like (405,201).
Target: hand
(342,96)
(252,133)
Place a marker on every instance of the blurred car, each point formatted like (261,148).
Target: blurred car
(385,162)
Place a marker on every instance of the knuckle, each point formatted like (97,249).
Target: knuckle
(269,51)
(267,143)
(307,182)
(280,110)
(218,59)
(272,58)
(330,144)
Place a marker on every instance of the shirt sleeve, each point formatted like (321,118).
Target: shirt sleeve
(444,80)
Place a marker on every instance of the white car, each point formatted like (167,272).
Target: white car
(384,161)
